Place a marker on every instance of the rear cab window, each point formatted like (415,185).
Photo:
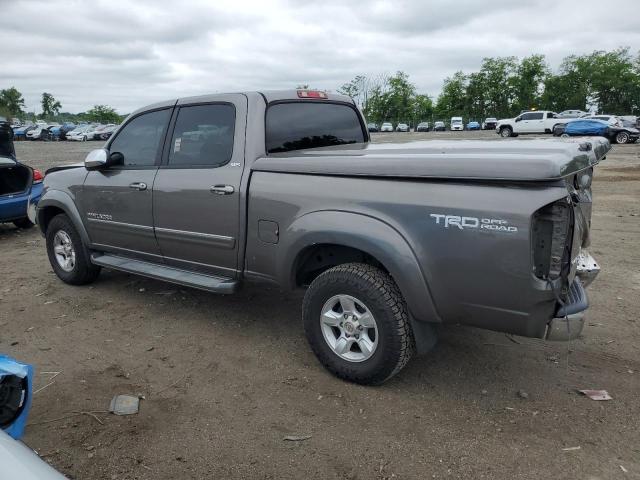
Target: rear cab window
(298,125)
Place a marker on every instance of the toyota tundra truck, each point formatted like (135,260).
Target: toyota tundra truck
(389,240)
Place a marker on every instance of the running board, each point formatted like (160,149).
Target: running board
(201,281)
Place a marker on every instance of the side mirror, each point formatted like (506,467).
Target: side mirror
(96,159)
(518,119)
(115,158)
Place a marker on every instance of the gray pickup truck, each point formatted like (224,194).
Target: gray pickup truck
(389,240)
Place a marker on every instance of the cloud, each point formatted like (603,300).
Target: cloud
(129,53)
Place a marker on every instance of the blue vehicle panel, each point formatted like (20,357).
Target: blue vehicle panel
(586,127)
(473,126)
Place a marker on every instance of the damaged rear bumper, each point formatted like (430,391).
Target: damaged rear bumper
(569,319)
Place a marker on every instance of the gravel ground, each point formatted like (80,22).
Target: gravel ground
(226,378)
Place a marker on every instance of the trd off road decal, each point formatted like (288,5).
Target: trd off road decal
(464,223)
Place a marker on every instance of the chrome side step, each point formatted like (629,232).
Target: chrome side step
(201,281)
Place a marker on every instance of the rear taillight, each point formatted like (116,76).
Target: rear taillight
(37,176)
(552,235)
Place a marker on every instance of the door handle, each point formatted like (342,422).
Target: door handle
(138,185)
(222,189)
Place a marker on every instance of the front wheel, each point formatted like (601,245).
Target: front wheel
(357,324)
(67,254)
(622,137)
(506,132)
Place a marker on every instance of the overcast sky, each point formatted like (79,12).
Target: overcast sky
(128,53)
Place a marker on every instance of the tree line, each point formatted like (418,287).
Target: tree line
(505,86)
(502,87)
(12,105)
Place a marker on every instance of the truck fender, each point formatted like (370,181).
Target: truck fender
(61,200)
(370,235)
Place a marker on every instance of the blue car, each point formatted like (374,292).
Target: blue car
(60,133)
(473,126)
(21,132)
(615,134)
(20,185)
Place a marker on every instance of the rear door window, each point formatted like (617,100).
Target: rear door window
(203,136)
(298,125)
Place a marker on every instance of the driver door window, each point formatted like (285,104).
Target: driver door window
(139,140)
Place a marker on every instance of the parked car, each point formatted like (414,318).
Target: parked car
(612,120)
(473,125)
(102,132)
(489,123)
(107,132)
(529,122)
(81,134)
(60,132)
(439,126)
(587,127)
(403,127)
(386,127)
(423,127)
(385,238)
(373,127)
(21,132)
(38,133)
(456,124)
(572,114)
(20,185)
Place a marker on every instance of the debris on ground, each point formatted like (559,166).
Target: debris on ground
(124,405)
(523,394)
(623,469)
(570,449)
(296,438)
(598,395)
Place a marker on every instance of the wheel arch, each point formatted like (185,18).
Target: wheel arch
(351,236)
(54,202)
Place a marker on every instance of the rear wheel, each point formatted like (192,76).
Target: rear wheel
(67,254)
(23,223)
(622,137)
(506,132)
(356,322)
(564,135)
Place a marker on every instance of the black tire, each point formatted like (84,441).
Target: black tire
(376,289)
(83,271)
(622,137)
(23,223)
(506,132)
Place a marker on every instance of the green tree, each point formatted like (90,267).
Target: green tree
(528,82)
(102,114)
(476,97)
(358,89)
(50,106)
(452,99)
(499,85)
(11,101)
(422,109)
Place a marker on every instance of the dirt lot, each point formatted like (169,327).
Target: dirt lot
(225,379)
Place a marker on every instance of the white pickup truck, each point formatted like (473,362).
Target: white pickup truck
(529,122)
